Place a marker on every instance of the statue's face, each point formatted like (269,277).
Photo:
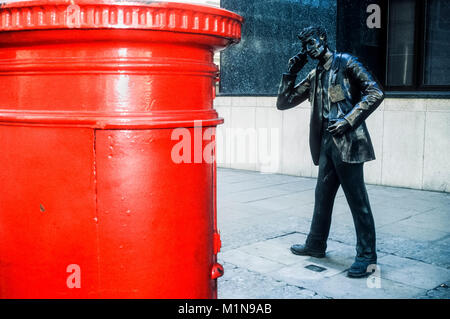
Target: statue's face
(315,47)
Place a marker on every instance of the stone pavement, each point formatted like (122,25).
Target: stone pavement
(260,216)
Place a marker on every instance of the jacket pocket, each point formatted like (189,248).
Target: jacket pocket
(336,93)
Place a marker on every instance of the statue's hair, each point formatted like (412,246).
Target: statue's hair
(313,31)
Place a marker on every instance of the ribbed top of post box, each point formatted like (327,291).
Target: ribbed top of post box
(103,14)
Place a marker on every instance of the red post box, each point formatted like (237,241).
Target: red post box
(92,204)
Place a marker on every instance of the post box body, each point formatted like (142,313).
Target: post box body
(92,202)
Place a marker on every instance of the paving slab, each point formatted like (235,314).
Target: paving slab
(434,253)
(338,285)
(300,211)
(302,274)
(249,261)
(411,201)
(383,214)
(436,219)
(254,195)
(234,211)
(440,292)
(244,284)
(253,184)
(286,200)
(412,272)
(342,287)
(405,230)
(272,250)
(261,215)
(298,186)
(279,178)
(237,235)
(344,233)
(287,240)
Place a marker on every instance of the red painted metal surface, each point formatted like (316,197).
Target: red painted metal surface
(91,92)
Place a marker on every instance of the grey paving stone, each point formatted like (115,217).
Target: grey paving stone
(278,178)
(251,262)
(255,195)
(440,292)
(252,184)
(411,199)
(342,287)
(299,275)
(340,194)
(301,211)
(277,222)
(392,244)
(342,233)
(434,253)
(233,176)
(289,239)
(391,216)
(333,245)
(223,179)
(383,214)
(236,211)
(298,185)
(244,284)
(412,272)
(286,201)
(435,219)
(403,229)
(272,250)
(237,235)
(399,193)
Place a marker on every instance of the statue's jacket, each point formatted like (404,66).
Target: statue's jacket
(353,93)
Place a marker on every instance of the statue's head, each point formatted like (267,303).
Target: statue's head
(314,40)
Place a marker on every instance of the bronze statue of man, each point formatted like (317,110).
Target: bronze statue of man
(342,94)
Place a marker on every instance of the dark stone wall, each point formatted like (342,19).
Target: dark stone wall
(254,66)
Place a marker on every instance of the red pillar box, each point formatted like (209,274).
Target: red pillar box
(93,200)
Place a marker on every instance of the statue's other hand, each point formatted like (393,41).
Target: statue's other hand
(297,62)
(339,127)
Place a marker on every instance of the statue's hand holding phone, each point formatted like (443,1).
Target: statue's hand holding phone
(298,61)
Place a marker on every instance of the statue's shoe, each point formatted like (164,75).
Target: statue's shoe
(302,250)
(359,269)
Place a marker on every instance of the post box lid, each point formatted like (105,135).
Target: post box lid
(104,14)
